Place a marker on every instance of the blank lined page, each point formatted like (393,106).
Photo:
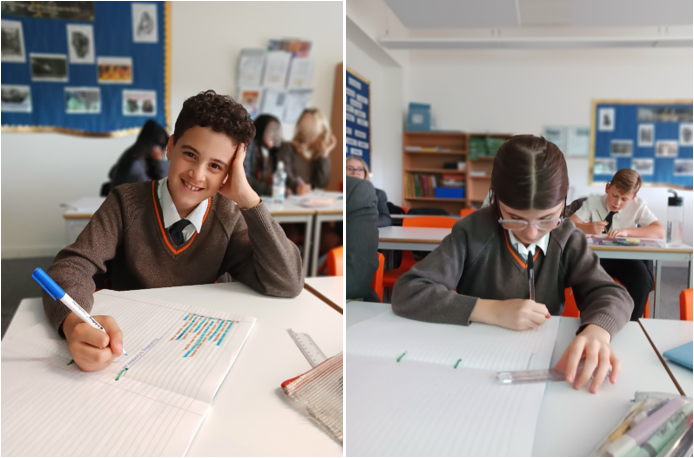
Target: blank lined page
(477,346)
(415,408)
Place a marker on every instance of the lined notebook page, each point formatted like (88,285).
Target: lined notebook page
(435,410)
(478,346)
(178,358)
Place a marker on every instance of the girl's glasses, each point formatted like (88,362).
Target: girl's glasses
(520,225)
(355,169)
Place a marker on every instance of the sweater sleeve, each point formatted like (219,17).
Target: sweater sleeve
(600,299)
(384,219)
(75,266)
(321,172)
(261,256)
(362,238)
(427,292)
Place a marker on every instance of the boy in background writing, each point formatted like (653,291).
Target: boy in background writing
(198,225)
(617,213)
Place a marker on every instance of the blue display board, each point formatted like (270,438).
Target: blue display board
(85,68)
(653,138)
(358,116)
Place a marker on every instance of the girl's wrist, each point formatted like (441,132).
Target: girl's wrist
(485,311)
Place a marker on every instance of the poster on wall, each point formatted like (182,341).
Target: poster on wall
(12,41)
(114,70)
(82,100)
(16,98)
(145,29)
(139,103)
(70,11)
(49,67)
(80,42)
(653,138)
(251,63)
(357,116)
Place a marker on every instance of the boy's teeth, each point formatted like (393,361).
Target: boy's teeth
(192,188)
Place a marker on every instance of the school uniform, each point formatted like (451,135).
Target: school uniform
(138,230)
(636,275)
(479,260)
(315,172)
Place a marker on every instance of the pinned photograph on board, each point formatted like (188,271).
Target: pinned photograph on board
(82,100)
(604,166)
(12,41)
(297,101)
(16,98)
(643,166)
(683,167)
(556,135)
(646,135)
(666,148)
(663,114)
(80,42)
(145,28)
(70,11)
(686,135)
(606,119)
(621,148)
(49,67)
(114,70)
(139,103)
(250,99)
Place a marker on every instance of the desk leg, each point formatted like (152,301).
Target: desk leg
(656,296)
(316,244)
(689,277)
(307,243)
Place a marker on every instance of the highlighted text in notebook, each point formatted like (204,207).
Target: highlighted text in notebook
(538,375)
(57,293)
(308,347)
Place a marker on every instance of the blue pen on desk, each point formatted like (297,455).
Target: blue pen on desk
(57,293)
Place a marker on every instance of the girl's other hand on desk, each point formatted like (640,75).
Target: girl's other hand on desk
(593,343)
(516,314)
(91,348)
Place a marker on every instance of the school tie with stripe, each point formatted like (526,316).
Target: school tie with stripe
(608,220)
(176,231)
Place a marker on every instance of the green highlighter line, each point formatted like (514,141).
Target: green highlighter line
(456,364)
(121,373)
(71,361)
(402,356)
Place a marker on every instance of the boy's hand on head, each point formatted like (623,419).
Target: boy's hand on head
(91,348)
(593,343)
(596,228)
(618,233)
(520,314)
(235,186)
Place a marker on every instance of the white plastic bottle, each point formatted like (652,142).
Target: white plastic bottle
(675,219)
(279,182)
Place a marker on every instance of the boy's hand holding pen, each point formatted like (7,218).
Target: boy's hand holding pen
(91,348)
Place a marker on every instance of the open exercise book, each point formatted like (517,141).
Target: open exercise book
(424,389)
(149,403)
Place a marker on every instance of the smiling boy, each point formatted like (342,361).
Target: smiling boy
(617,213)
(199,225)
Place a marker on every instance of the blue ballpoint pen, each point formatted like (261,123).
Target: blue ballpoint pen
(57,293)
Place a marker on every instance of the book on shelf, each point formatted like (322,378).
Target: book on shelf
(428,149)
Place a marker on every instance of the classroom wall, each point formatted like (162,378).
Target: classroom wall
(41,171)
(520,91)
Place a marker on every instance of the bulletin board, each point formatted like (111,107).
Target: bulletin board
(358,116)
(85,68)
(652,137)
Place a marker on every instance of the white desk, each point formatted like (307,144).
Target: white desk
(78,214)
(668,334)
(428,239)
(330,290)
(250,416)
(573,423)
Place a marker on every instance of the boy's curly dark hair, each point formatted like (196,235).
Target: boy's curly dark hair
(219,112)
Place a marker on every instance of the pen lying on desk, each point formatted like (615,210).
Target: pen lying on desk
(57,293)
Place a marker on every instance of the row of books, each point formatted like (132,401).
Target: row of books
(424,185)
(428,149)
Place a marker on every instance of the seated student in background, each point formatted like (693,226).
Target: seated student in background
(357,168)
(362,239)
(617,213)
(479,272)
(307,157)
(144,161)
(261,157)
(200,224)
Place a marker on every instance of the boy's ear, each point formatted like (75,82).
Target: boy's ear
(607,188)
(169,148)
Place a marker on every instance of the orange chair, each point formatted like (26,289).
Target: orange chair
(334,262)
(377,282)
(686,305)
(392,275)
(466,211)
(571,310)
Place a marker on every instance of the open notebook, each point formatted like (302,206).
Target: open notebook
(424,389)
(149,403)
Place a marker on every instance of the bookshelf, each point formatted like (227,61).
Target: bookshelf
(437,149)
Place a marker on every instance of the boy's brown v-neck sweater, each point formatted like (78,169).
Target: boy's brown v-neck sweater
(128,231)
(477,261)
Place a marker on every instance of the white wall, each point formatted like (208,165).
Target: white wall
(387,102)
(41,171)
(520,91)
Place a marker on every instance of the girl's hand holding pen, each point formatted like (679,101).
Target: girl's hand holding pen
(91,348)
(515,314)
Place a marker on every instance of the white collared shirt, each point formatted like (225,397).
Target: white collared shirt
(171,215)
(595,209)
(523,251)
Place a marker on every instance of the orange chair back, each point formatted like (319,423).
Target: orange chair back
(466,211)
(686,305)
(571,310)
(334,262)
(429,221)
(377,282)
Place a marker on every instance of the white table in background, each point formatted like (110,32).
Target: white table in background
(428,239)
(330,290)
(250,416)
(666,335)
(573,423)
(78,214)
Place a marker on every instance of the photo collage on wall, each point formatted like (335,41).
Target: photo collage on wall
(48,68)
